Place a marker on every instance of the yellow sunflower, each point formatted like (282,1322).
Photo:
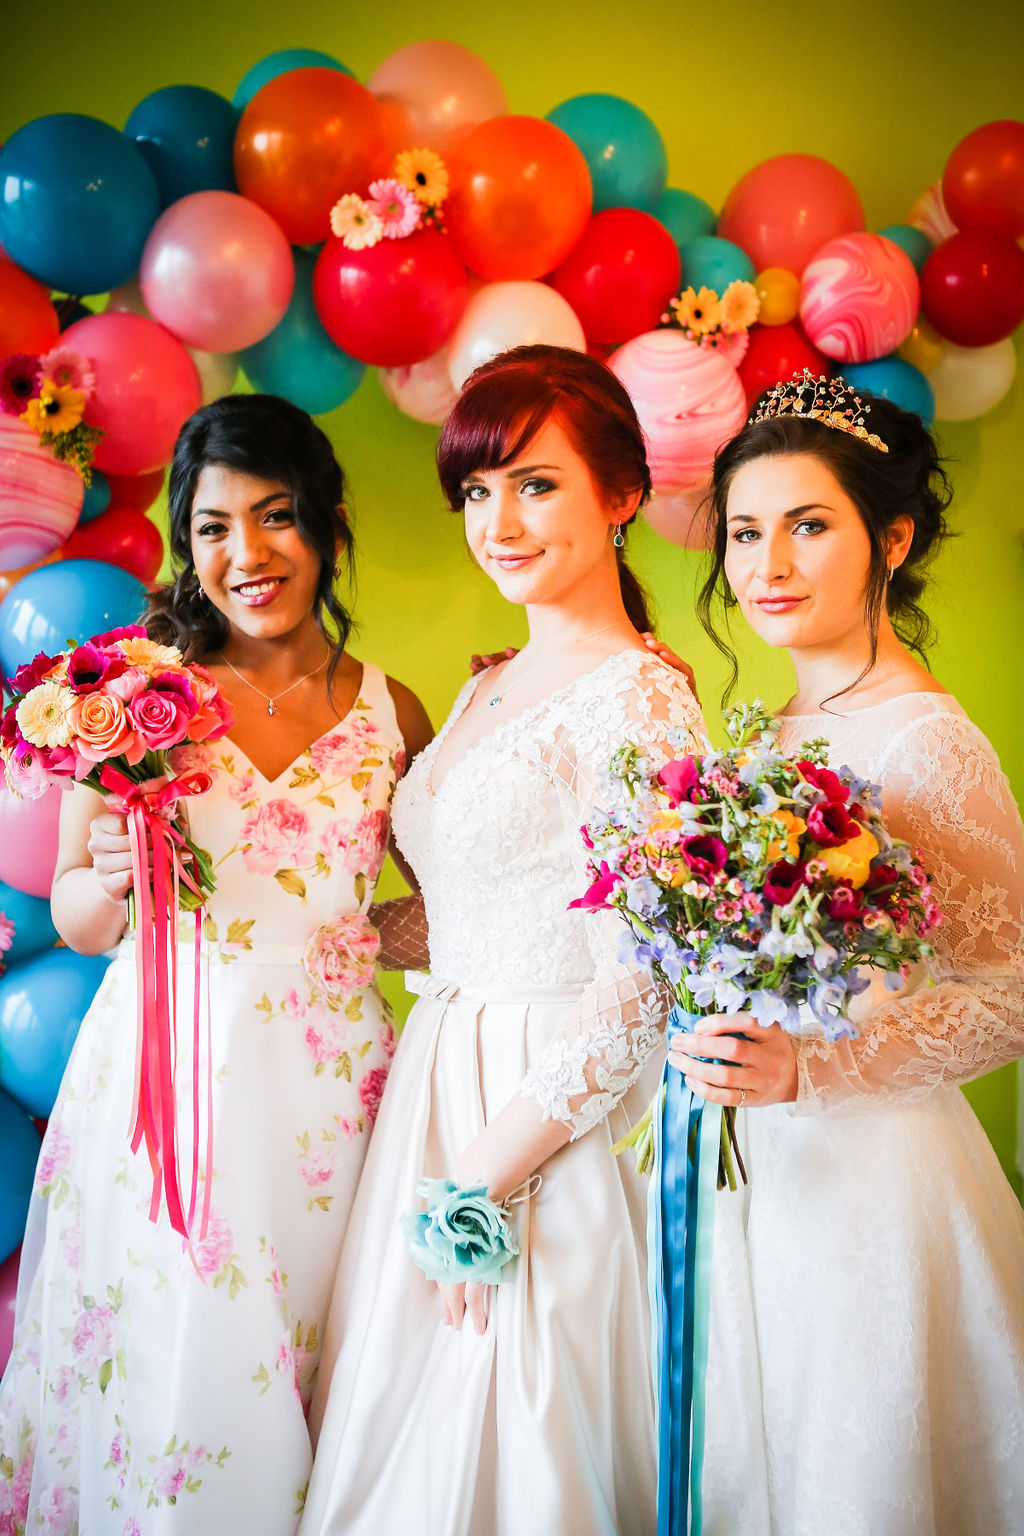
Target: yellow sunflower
(740,306)
(425,174)
(57,408)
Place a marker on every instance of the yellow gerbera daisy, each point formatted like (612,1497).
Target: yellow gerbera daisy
(57,408)
(698,312)
(740,306)
(425,174)
(149,655)
(43,715)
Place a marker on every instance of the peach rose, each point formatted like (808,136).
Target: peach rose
(102,729)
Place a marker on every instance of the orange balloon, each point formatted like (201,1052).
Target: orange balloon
(304,140)
(28,321)
(520,198)
(779,292)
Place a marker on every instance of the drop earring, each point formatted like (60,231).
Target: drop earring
(620,538)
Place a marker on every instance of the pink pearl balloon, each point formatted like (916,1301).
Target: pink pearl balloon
(442,88)
(678,516)
(689,401)
(514,314)
(40,498)
(859,298)
(217,271)
(146,387)
(28,840)
(424,391)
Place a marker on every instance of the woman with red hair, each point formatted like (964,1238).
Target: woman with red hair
(459,1406)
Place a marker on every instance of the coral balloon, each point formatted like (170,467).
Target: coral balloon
(778,352)
(28,321)
(28,839)
(136,491)
(146,386)
(679,516)
(217,271)
(972,287)
(786,208)
(394,303)
(968,381)
(305,138)
(504,315)
(983,183)
(624,151)
(441,89)
(123,538)
(621,276)
(40,498)
(779,293)
(689,401)
(859,297)
(424,391)
(520,198)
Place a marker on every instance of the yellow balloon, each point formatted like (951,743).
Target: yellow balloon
(923,347)
(779,292)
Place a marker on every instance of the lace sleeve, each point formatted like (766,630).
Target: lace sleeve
(621,1016)
(944,792)
(402,925)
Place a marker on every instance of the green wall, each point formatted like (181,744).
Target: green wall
(883,89)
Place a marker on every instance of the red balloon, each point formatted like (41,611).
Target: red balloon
(520,197)
(136,491)
(777,352)
(972,287)
(621,276)
(306,138)
(983,183)
(28,321)
(120,536)
(782,210)
(394,303)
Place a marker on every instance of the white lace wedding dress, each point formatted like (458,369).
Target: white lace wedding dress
(866,1370)
(543,1425)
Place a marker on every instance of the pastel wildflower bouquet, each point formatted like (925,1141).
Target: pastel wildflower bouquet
(750,881)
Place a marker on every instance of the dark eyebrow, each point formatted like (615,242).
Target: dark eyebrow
(257,506)
(794,512)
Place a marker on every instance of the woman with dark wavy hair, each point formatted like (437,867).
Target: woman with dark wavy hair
(152,1388)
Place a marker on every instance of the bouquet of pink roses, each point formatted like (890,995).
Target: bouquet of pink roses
(107,713)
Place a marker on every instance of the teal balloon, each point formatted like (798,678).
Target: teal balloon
(914,241)
(33,926)
(298,359)
(71,600)
(710,262)
(279,64)
(684,215)
(187,137)
(42,1004)
(19,1153)
(893,379)
(96,499)
(623,149)
(77,201)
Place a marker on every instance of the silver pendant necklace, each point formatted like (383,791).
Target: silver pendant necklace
(272,703)
(497,698)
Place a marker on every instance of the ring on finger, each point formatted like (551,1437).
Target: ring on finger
(743,1098)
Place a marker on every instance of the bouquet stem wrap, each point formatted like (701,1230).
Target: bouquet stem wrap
(158,872)
(680,1232)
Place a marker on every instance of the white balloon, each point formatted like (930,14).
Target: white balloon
(504,315)
(968,381)
(423,391)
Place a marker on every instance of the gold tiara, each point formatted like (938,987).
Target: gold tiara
(830,401)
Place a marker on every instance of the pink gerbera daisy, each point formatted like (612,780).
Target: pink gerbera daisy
(396,207)
(20,378)
(69,370)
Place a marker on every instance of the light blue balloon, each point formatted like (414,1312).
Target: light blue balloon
(33,926)
(710,262)
(894,379)
(684,215)
(96,499)
(187,136)
(71,600)
(298,359)
(77,201)
(19,1153)
(623,149)
(42,1004)
(279,64)
(914,241)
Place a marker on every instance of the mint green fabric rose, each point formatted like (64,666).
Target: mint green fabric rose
(462,1235)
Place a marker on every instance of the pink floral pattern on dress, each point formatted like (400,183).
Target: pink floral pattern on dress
(278,834)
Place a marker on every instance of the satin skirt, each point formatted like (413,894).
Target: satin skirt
(545,1422)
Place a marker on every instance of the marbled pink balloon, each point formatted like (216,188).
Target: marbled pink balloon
(40,498)
(689,401)
(859,298)
(930,215)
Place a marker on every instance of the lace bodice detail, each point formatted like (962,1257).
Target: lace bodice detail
(498,855)
(942,790)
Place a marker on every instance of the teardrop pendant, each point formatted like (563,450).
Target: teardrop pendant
(271,707)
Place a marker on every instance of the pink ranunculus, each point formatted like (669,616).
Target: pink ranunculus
(93,1338)
(28,774)
(279,835)
(127,683)
(371,1087)
(340,956)
(54,1155)
(365,854)
(680,779)
(103,729)
(214,1250)
(160,717)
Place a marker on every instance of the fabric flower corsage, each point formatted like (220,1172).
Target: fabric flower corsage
(462,1235)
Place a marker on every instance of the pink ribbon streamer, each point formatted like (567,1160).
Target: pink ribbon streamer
(149,809)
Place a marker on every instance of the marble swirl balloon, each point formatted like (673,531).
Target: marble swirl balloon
(689,401)
(40,498)
(859,297)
